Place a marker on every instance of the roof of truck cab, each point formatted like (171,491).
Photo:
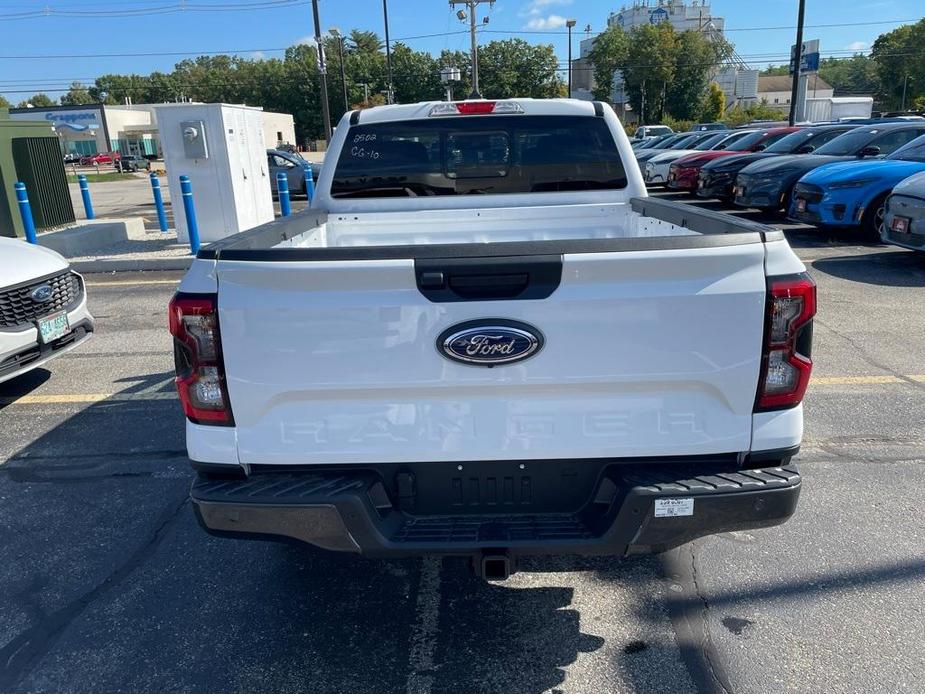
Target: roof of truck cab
(531,107)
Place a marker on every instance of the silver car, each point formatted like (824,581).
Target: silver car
(905,214)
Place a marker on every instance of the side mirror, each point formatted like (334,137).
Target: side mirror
(805,149)
(759,148)
(870,151)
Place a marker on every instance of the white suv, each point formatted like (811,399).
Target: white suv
(43,307)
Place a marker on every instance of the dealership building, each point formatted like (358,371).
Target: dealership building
(129,129)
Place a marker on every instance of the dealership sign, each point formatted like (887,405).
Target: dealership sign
(809,58)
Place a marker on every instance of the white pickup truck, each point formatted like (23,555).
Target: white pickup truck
(484,340)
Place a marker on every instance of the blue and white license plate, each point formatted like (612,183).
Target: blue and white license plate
(52,327)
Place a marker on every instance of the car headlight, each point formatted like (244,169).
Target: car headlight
(856,183)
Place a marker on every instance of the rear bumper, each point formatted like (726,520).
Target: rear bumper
(629,511)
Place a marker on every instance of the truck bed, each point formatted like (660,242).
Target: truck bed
(658,223)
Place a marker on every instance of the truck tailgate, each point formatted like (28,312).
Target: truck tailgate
(646,353)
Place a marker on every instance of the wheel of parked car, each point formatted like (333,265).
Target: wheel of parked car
(874,216)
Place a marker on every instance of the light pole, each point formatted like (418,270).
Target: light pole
(390,96)
(448,76)
(905,87)
(570,23)
(798,59)
(473,10)
(322,73)
(335,32)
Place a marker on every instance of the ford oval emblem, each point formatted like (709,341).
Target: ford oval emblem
(490,342)
(42,293)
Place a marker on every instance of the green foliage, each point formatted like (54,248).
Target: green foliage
(39,100)
(854,75)
(513,68)
(900,61)
(3,102)
(650,69)
(678,125)
(77,95)
(714,104)
(776,70)
(608,54)
(756,112)
(666,72)
(695,58)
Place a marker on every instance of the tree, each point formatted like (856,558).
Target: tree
(714,104)
(76,96)
(650,68)
(3,102)
(608,54)
(854,75)
(417,75)
(513,67)
(39,100)
(742,116)
(900,64)
(776,71)
(696,57)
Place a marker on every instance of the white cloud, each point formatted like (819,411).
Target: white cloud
(536,7)
(258,55)
(553,21)
(308,40)
(857,46)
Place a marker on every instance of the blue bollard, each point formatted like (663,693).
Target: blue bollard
(159,201)
(186,189)
(309,184)
(85,194)
(282,187)
(25,209)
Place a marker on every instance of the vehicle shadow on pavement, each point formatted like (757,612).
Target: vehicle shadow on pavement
(22,385)
(888,268)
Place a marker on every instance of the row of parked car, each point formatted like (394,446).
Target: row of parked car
(869,177)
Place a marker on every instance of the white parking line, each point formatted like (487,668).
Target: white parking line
(424,632)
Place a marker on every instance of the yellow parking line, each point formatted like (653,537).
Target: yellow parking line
(857,380)
(85,398)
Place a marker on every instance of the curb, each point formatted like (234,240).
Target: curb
(132,265)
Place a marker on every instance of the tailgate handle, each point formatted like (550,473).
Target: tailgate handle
(488,279)
(475,287)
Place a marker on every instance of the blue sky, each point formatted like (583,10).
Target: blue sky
(266,30)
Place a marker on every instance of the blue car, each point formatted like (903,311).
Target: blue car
(854,193)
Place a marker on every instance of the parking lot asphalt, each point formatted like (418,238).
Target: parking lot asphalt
(108,584)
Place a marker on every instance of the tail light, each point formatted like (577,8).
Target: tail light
(198,359)
(786,361)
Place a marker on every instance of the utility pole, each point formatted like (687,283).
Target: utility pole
(473,11)
(905,87)
(570,23)
(322,73)
(798,58)
(335,32)
(390,96)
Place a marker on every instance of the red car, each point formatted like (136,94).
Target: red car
(683,174)
(101,158)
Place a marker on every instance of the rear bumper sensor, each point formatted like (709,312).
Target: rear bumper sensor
(627,509)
